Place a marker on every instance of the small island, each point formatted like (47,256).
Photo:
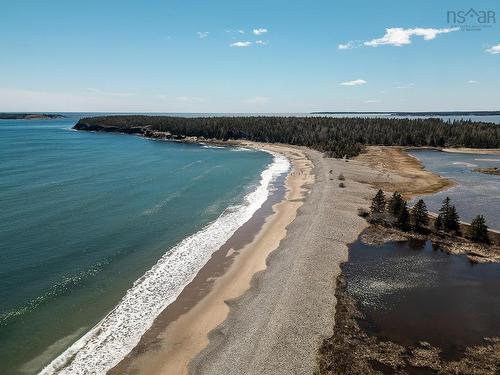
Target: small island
(491,170)
(30,116)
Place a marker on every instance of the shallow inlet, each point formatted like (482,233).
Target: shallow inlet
(411,291)
(475,194)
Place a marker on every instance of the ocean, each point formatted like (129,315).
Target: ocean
(103,230)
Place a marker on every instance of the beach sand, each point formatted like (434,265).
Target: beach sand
(267,307)
(462,150)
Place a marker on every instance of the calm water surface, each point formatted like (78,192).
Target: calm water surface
(83,215)
(475,194)
(412,291)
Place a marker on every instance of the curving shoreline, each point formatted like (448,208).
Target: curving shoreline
(182,333)
(120,330)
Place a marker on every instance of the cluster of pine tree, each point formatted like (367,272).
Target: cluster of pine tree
(395,212)
(448,219)
(337,137)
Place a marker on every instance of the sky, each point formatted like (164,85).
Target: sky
(248,56)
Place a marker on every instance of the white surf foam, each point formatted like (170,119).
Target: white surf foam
(120,331)
(211,146)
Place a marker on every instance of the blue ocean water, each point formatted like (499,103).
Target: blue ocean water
(475,194)
(84,215)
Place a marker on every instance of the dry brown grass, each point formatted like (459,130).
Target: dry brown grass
(398,171)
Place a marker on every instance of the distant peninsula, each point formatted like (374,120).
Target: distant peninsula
(337,137)
(389,113)
(29,116)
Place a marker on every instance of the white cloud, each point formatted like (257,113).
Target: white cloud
(356,82)
(472,81)
(494,49)
(239,31)
(397,36)
(372,101)
(241,44)
(202,34)
(349,45)
(260,31)
(261,42)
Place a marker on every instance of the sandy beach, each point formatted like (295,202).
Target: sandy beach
(463,150)
(263,306)
(182,331)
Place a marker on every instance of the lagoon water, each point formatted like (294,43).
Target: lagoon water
(411,291)
(475,194)
(84,215)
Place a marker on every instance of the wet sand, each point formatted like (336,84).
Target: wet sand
(492,151)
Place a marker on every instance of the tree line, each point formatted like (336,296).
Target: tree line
(395,212)
(337,137)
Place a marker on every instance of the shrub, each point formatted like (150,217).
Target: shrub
(363,212)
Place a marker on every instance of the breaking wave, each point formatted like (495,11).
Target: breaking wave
(107,343)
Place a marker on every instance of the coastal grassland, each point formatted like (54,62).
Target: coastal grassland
(338,137)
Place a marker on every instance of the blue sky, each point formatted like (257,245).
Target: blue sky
(246,56)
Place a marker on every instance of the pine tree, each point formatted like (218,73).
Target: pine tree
(378,203)
(445,208)
(478,231)
(419,216)
(453,224)
(449,217)
(395,204)
(403,217)
(438,224)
